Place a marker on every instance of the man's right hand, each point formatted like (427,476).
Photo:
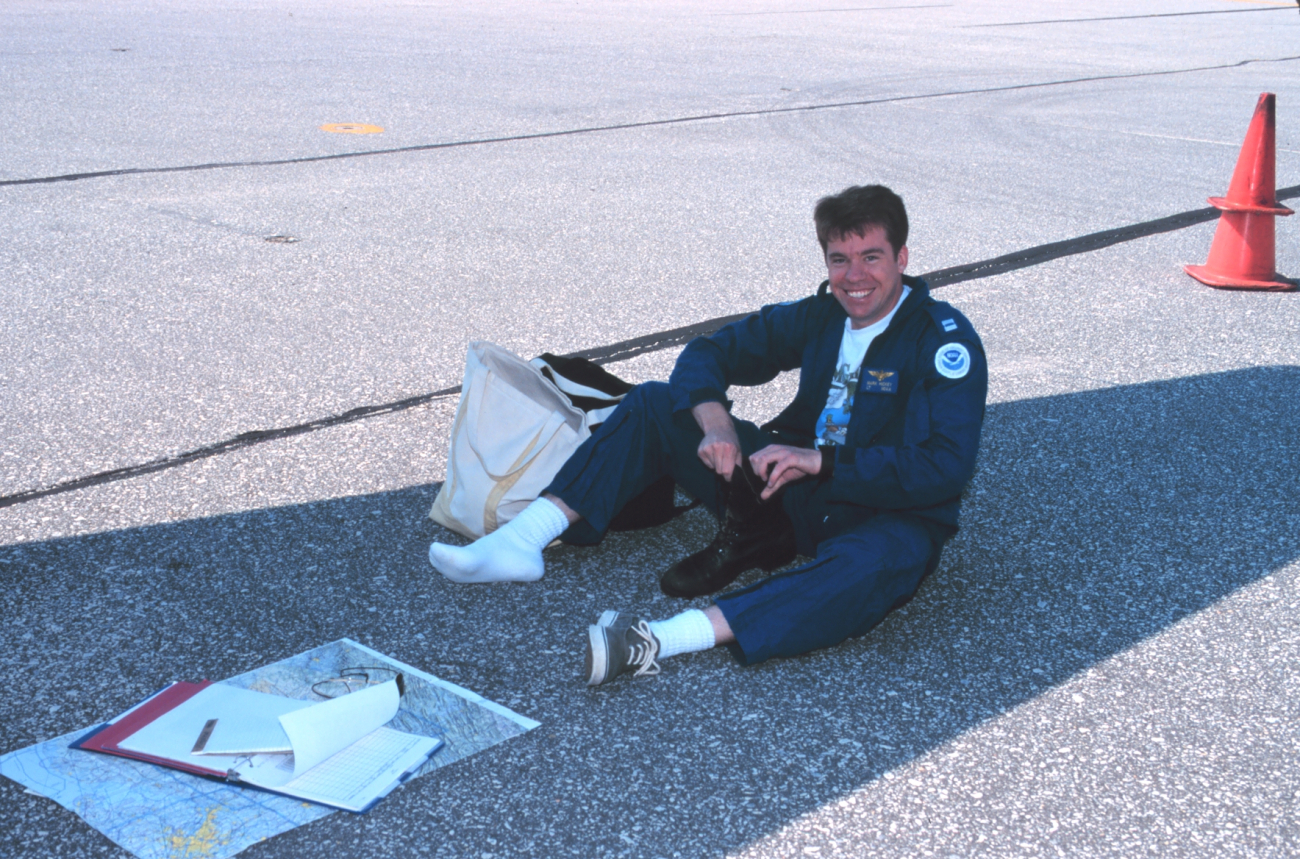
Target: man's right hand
(720,447)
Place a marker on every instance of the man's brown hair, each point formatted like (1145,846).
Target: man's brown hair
(858,208)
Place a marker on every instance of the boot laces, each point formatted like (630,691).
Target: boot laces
(642,653)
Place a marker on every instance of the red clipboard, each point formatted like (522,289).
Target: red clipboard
(105,739)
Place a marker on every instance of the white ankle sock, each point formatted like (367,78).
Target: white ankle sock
(683,633)
(512,553)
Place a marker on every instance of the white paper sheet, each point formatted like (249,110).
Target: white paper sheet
(172,734)
(323,730)
(342,754)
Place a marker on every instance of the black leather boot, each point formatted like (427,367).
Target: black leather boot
(753,533)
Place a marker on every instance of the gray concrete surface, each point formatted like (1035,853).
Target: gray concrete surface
(1103,665)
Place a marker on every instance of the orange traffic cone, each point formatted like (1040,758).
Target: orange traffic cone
(1242,254)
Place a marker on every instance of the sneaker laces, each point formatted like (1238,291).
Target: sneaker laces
(642,653)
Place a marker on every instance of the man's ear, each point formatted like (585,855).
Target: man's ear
(902,258)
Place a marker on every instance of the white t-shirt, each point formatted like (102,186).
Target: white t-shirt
(833,424)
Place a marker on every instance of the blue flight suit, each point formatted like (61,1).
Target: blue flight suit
(876,524)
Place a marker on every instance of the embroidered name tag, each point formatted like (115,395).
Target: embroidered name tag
(878,381)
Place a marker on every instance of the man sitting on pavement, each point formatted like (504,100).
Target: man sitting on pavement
(863,471)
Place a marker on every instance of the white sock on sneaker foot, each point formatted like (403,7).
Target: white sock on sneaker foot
(683,633)
(512,553)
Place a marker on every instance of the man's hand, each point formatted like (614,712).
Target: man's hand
(786,464)
(720,447)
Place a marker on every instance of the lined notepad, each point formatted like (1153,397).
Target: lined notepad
(342,754)
(363,772)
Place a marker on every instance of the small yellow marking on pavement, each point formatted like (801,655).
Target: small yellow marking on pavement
(351,128)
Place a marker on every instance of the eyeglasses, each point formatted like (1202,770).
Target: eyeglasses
(355,679)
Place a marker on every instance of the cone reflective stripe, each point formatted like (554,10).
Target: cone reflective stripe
(1242,255)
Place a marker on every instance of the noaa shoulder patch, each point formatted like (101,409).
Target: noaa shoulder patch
(952,360)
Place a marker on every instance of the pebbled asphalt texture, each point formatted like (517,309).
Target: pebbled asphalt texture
(1103,665)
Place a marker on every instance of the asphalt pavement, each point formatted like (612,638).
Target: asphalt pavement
(1105,662)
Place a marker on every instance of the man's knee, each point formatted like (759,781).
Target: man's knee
(653,397)
(649,405)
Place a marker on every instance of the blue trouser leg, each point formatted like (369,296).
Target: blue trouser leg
(857,578)
(639,443)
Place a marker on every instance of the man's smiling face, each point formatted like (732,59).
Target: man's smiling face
(866,275)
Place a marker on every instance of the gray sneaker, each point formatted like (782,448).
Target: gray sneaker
(618,643)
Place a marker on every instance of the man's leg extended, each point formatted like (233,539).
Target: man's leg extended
(857,578)
(640,442)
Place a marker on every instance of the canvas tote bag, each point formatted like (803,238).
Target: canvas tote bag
(514,428)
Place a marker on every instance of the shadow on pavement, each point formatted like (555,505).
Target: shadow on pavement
(1096,520)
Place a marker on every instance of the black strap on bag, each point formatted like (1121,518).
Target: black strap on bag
(657,504)
(566,373)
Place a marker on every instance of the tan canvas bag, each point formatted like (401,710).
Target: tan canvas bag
(513,431)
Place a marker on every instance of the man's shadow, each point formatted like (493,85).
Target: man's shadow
(1096,520)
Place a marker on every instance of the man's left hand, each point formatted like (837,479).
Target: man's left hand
(780,464)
